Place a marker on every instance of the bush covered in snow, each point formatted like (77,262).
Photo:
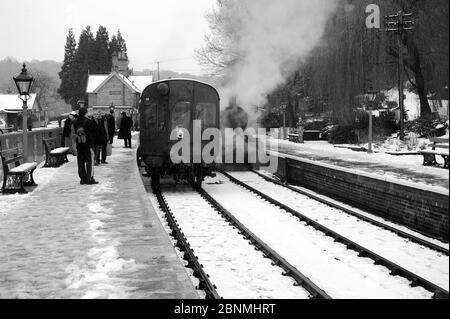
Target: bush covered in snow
(426,127)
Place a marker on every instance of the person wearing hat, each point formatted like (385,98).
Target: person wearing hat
(125,129)
(68,132)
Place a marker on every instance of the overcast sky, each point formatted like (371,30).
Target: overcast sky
(165,30)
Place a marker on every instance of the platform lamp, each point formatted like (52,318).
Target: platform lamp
(24,83)
(372,94)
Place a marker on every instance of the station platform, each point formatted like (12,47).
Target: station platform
(66,240)
(400,169)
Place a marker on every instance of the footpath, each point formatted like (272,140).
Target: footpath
(66,240)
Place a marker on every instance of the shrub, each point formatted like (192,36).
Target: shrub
(426,127)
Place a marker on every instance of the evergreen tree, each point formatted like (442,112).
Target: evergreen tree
(91,56)
(67,85)
(121,42)
(102,61)
(113,45)
(84,62)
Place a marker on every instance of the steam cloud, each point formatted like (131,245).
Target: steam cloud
(273,37)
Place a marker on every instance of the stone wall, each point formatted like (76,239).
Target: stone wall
(114,92)
(420,209)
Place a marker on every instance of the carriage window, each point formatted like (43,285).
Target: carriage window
(150,116)
(181,115)
(155,116)
(206,112)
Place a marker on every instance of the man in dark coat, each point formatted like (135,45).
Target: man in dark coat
(100,138)
(110,119)
(125,129)
(85,153)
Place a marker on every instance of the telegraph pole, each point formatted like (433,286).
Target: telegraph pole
(399,23)
(157,63)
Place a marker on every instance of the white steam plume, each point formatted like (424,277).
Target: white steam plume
(272,37)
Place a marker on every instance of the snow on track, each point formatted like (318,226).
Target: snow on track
(233,264)
(337,270)
(425,262)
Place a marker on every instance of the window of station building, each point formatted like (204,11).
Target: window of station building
(115,93)
(180,115)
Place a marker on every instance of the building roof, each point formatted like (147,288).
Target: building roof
(12,102)
(94,82)
(136,83)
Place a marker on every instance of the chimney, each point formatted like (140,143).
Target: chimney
(120,63)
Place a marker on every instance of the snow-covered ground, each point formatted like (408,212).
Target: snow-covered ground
(233,264)
(429,264)
(66,240)
(403,168)
(334,268)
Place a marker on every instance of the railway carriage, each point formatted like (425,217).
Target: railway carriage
(169,105)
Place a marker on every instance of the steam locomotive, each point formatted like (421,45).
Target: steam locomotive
(170,105)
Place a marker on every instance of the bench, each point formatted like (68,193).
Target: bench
(440,147)
(54,155)
(16,174)
(6,130)
(294,138)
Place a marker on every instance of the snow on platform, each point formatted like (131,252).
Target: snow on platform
(406,168)
(66,240)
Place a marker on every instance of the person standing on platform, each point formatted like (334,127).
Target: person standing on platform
(98,137)
(68,132)
(110,119)
(85,153)
(125,129)
(103,138)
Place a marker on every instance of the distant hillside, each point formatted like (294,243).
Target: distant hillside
(47,82)
(10,67)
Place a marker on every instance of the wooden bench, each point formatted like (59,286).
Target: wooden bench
(54,155)
(294,138)
(429,155)
(16,174)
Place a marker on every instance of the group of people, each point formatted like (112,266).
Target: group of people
(90,138)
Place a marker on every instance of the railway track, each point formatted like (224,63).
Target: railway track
(189,256)
(301,279)
(288,270)
(415,280)
(372,221)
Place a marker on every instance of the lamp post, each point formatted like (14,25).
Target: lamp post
(372,96)
(24,82)
(284,108)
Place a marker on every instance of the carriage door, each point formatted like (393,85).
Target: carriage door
(153,126)
(206,110)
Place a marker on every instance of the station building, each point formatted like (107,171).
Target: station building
(11,110)
(118,90)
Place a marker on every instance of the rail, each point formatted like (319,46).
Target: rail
(279,261)
(193,263)
(439,293)
(334,204)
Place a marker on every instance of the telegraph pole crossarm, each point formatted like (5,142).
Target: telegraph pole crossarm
(399,23)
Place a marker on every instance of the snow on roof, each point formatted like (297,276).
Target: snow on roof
(136,82)
(94,82)
(12,102)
